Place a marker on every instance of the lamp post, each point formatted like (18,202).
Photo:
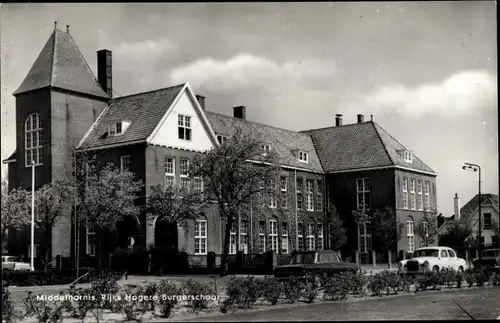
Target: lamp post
(476,168)
(32,265)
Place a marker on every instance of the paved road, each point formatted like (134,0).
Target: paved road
(481,303)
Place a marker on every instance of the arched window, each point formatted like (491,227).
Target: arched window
(33,134)
(410,234)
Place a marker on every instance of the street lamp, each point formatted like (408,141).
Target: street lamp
(32,215)
(476,168)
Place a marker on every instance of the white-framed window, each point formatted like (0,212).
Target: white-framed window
(221,139)
(244,239)
(169,171)
(262,237)
(184,172)
(91,241)
(365,236)
(284,237)
(408,156)
(125,163)
(200,237)
(320,236)
(427,201)
(309,195)
(273,235)
(319,195)
(33,140)
(273,203)
(420,196)
(303,157)
(413,197)
(184,127)
(300,236)
(311,239)
(410,235)
(300,202)
(232,239)
(363,196)
(284,193)
(405,192)
(265,149)
(198,185)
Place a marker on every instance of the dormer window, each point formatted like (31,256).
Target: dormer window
(408,156)
(303,157)
(265,149)
(118,128)
(221,139)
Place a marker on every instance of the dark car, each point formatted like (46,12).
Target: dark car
(314,264)
(490,260)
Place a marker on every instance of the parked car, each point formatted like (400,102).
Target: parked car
(432,258)
(14,263)
(314,264)
(490,260)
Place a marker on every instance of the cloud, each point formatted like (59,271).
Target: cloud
(145,50)
(246,70)
(460,93)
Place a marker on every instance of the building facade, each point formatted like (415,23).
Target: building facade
(63,110)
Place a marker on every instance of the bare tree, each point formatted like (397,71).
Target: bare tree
(15,210)
(52,200)
(427,228)
(105,197)
(235,173)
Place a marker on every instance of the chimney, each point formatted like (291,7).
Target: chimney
(67,29)
(239,112)
(55,25)
(371,117)
(456,204)
(201,101)
(361,118)
(338,120)
(105,71)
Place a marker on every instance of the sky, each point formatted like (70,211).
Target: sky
(426,71)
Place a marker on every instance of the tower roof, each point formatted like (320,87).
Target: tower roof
(60,64)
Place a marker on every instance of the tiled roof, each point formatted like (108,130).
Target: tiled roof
(61,64)
(358,146)
(286,143)
(143,110)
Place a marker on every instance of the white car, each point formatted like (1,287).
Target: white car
(14,263)
(432,258)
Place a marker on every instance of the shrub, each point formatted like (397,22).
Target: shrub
(133,307)
(480,277)
(271,289)
(357,282)
(151,290)
(378,283)
(310,292)
(337,287)
(9,314)
(469,278)
(494,279)
(194,288)
(40,309)
(459,278)
(242,292)
(406,282)
(168,297)
(292,288)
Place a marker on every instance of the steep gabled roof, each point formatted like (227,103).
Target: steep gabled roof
(60,64)
(360,146)
(473,204)
(143,110)
(286,143)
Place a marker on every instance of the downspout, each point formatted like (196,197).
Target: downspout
(296,214)
(326,231)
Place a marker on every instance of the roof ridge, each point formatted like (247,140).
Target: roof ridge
(258,123)
(344,125)
(86,63)
(148,92)
(53,56)
(382,141)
